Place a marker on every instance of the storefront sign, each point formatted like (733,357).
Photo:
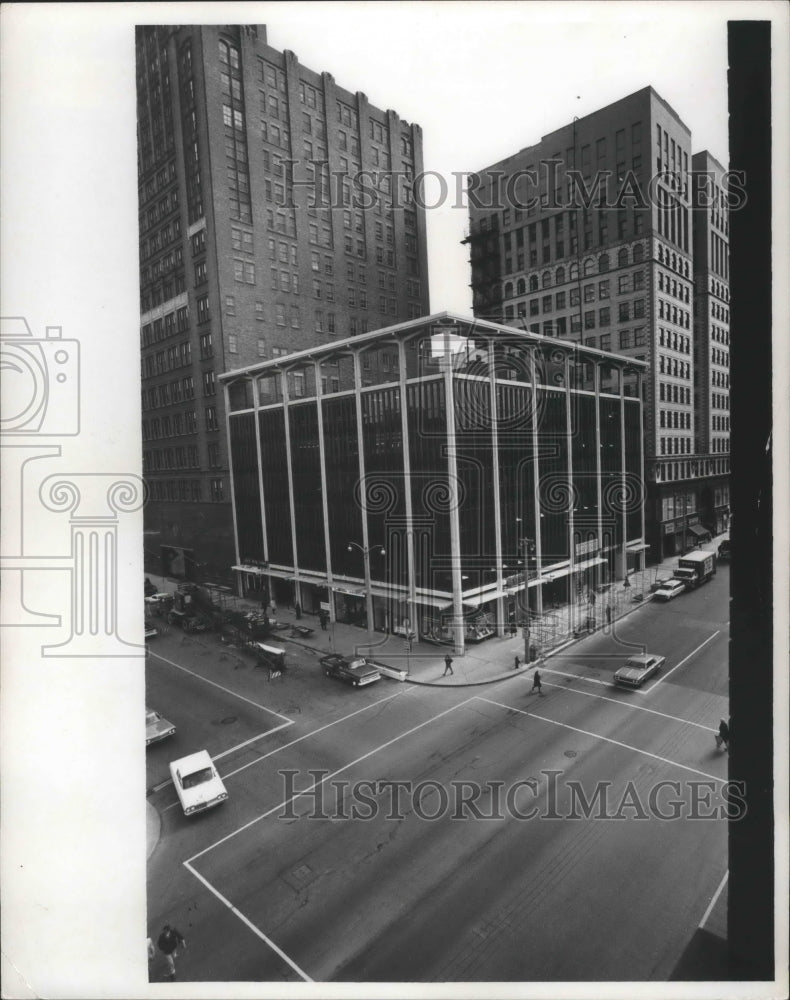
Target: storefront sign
(669,528)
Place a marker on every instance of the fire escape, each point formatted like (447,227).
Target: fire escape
(486,263)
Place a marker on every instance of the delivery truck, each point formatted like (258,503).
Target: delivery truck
(696,568)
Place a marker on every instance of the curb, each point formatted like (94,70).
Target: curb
(515,673)
(153,829)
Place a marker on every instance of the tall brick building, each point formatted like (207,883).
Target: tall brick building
(255,242)
(589,236)
(712,334)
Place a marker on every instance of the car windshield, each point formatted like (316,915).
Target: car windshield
(197,777)
(151,717)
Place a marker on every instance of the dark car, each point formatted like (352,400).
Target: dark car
(356,672)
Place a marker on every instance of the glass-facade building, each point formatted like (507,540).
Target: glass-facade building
(444,477)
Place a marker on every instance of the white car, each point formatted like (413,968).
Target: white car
(197,783)
(637,669)
(669,590)
(156,727)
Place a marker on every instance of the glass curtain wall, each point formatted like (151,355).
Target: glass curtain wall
(308,497)
(342,476)
(245,487)
(274,471)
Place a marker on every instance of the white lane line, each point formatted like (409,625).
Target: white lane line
(628,704)
(219,756)
(677,665)
(241,697)
(253,739)
(249,924)
(606,739)
(715,899)
(328,777)
(285,746)
(576,677)
(398,694)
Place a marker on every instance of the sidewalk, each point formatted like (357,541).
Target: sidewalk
(484,662)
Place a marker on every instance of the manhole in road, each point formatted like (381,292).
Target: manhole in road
(228,720)
(299,877)
(571,753)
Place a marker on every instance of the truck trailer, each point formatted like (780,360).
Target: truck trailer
(696,568)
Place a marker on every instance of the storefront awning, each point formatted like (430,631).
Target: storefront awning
(699,531)
(250,569)
(466,608)
(587,563)
(637,546)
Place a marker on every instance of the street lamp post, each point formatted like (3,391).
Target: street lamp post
(368,586)
(527,547)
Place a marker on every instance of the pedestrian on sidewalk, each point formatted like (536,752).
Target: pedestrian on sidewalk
(298,610)
(322,616)
(170,940)
(274,608)
(608,614)
(516,662)
(448,665)
(536,683)
(723,736)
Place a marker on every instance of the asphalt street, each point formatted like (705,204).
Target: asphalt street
(538,880)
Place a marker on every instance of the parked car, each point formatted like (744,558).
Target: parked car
(356,672)
(156,727)
(637,669)
(197,783)
(724,550)
(669,590)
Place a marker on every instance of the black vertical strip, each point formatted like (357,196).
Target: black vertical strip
(751,839)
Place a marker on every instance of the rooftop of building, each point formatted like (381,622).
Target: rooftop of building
(474,327)
(556,133)
(705,156)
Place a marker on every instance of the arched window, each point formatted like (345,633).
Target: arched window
(622,258)
(603,263)
(533,282)
(559,278)
(639,253)
(660,254)
(589,266)
(545,279)
(574,273)
(508,289)
(674,262)
(521,286)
